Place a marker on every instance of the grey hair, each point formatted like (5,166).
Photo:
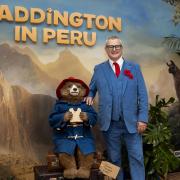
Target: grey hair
(113,37)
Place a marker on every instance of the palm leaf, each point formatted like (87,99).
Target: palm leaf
(173,43)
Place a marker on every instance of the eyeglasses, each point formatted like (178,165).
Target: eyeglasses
(112,47)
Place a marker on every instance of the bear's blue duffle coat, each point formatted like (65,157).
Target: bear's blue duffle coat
(65,136)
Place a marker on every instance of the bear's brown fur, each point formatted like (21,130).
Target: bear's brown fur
(77,165)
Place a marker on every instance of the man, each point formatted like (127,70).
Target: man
(123,107)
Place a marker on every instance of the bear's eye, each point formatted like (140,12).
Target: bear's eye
(79,86)
(69,86)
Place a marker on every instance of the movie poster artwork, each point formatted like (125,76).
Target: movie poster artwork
(43,42)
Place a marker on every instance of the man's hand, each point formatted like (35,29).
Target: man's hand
(141,127)
(89,101)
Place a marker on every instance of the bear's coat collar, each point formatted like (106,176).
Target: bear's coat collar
(69,103)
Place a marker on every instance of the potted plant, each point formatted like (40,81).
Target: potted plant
(158,152)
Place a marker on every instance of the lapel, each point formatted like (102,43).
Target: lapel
(107,71)
(128,66)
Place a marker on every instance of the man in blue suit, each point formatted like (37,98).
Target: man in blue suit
(123,107)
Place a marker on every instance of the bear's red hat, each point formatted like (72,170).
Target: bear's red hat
(71,79)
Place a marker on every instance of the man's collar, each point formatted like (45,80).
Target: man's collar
(119,61)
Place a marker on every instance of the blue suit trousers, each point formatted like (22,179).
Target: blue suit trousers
(133,141)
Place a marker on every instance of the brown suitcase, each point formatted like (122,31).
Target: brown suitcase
(53,162)
(54,165)
(53,170)
(42,173)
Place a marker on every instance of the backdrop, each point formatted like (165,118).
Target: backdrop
(30,71)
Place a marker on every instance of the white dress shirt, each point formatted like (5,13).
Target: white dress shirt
(119,61)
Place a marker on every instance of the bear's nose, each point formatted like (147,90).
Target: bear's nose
(74,89)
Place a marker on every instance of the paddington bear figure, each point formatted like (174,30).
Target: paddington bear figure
(72,121)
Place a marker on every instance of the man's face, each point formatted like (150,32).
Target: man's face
(114,49)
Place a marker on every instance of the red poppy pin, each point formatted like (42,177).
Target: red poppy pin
(127,72)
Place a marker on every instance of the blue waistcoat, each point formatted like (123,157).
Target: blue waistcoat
(117,94)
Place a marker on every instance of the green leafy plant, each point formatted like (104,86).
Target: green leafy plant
(158,154)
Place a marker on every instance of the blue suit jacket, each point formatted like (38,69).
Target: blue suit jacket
(135,98)
(62,130)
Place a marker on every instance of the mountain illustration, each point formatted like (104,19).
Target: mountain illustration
(163,86)
(20,69)
(11,129)
(21,66)
(24,121)
(28,51)
(67,65)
